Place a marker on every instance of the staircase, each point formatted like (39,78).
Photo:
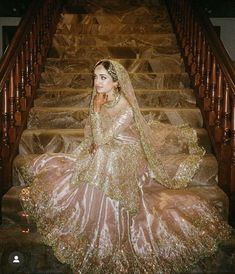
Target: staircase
(141,38)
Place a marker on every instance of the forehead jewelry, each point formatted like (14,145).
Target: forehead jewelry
(112,73)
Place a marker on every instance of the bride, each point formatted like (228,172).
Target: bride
(122,201)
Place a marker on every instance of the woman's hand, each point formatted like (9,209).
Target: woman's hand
(99,100)
(92,149)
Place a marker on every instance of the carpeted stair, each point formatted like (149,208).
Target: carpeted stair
(141,38)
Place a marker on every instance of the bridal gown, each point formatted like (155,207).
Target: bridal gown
(106,212)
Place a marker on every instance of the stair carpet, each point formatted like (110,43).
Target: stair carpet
(150,54)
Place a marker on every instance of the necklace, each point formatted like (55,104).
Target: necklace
(112,103)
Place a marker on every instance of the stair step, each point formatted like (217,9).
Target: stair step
(162,64)
(117,52)
(139,80)
(37,141)
(37,258)
(74,27)
(157,41)
(133,15)
(72,117)
(147,98)
(116,7)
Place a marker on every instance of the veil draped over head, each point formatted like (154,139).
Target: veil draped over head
(150,143)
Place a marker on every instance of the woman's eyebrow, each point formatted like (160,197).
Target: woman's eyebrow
(101,74)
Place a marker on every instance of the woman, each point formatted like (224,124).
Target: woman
(120,202)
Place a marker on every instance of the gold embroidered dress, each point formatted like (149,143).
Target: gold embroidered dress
(128,207)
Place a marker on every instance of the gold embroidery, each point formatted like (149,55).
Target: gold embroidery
(160,242)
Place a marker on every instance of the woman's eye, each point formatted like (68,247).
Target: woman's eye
(103,77)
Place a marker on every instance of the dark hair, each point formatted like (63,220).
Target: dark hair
(109,67)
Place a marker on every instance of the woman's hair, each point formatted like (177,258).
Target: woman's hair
(109,67)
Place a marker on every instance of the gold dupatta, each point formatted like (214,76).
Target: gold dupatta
(160,171)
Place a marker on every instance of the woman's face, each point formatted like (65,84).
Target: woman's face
(103,82)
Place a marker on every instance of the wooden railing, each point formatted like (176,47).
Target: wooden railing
(213,78)
(20,70)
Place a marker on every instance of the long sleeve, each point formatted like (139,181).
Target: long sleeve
(101,136)
(87,129)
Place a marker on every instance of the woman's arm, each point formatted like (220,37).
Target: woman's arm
(101,136)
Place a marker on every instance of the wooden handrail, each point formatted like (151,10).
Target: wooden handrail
(216,44)
(17,41)
(20,69)
(212,75)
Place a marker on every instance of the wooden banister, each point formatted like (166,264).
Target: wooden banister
(212,76)
(20,69)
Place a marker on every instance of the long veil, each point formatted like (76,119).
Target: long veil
(161,171)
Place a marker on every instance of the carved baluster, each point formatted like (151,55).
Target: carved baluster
(218,131)
(12,129)
(35,52)
(225,150)
(31,59)
(198,44)
(23,100)
(28,87)
(232,178)
(201,88)
(5,135)
(18,117)
(212,92)
(226,118)
(206,99)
